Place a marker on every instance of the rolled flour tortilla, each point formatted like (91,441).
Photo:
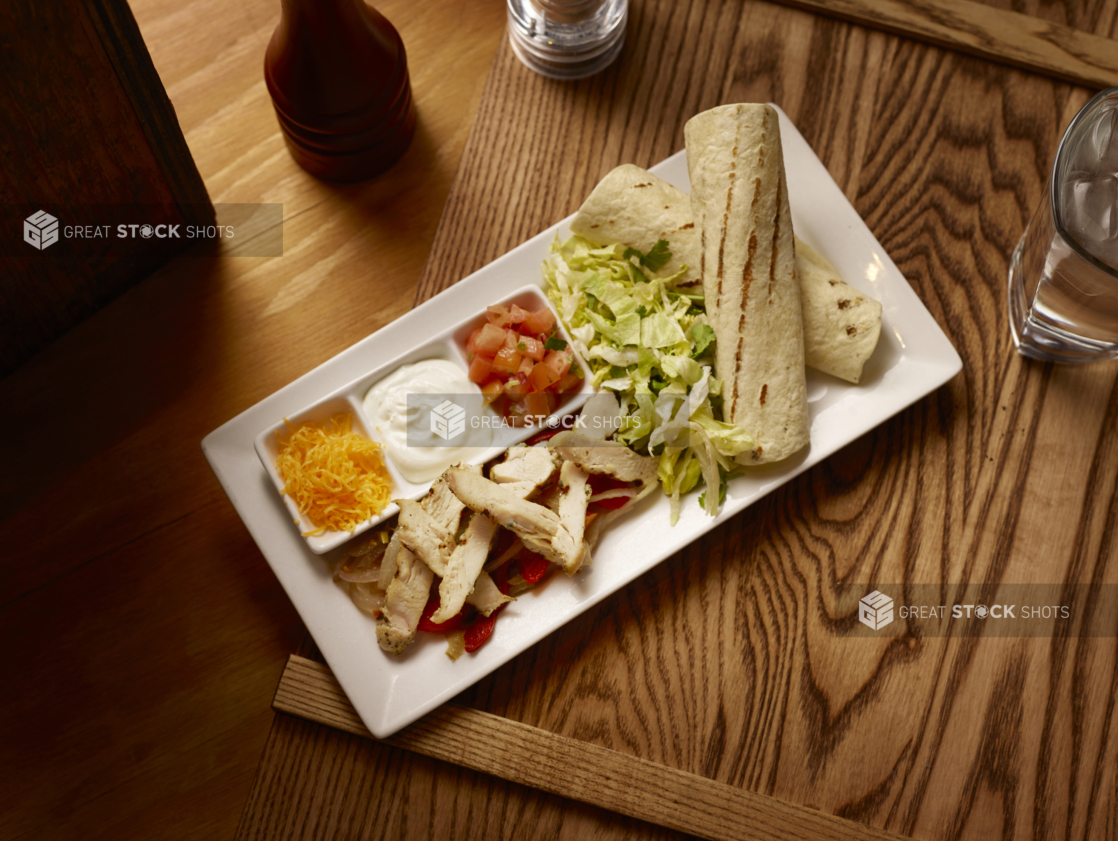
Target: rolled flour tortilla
(739,199)
(623,208)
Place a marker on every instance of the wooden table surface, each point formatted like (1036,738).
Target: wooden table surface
(146,634)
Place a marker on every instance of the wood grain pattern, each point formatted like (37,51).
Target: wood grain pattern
(315,782)
(1008,37)
(570,768)
(734,660)
(145,631)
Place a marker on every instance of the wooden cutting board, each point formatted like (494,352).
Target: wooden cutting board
(732,660)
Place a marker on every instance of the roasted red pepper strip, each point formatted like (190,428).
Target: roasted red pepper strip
(480,631)
(611,504)
(482,628)
(533,567)
(450,625)
(601,484)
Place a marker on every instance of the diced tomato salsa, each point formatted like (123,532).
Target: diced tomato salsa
(521,362)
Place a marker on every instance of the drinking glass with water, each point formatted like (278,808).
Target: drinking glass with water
(1063,276)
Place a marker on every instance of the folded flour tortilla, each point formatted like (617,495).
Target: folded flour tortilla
(634,207)
(739,199)
(841,325)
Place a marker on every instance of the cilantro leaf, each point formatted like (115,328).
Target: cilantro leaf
(656,258)
(702,335)
(555,343)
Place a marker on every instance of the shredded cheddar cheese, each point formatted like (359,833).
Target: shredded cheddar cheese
(336,477)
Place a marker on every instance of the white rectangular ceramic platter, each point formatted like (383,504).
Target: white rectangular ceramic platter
(912,359)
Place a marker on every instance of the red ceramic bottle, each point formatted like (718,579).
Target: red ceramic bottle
(338,76)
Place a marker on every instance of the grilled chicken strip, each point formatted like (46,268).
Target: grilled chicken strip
(429,539)
(421,546)
(526,464)
(428,527)
(503,505)
(521,489)
(607,458)
(538,527)
(443,506)
(464,566)
(404,602)
(573,494)
(485,596)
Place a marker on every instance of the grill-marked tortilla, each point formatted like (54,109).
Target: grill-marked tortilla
(739,199)
(841,324)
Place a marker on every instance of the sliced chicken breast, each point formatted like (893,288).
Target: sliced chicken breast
(485,596)
(464,566)
(538,527)
(429,539)
(526,464)
(404,602)
(574,491)
(607,458)
(521,489)
(443,506)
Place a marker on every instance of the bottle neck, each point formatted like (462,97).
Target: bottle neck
(336,14)
(332,56)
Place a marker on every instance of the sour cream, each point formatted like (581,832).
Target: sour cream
(420,442)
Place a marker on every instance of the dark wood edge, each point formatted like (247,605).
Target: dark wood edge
(120,36)
(1006,37)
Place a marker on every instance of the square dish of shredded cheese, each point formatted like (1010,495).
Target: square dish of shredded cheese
(336,477)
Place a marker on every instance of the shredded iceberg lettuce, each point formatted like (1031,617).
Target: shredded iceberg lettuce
(648,340)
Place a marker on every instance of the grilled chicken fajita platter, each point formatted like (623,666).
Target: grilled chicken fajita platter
(601,374)
(691,317)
